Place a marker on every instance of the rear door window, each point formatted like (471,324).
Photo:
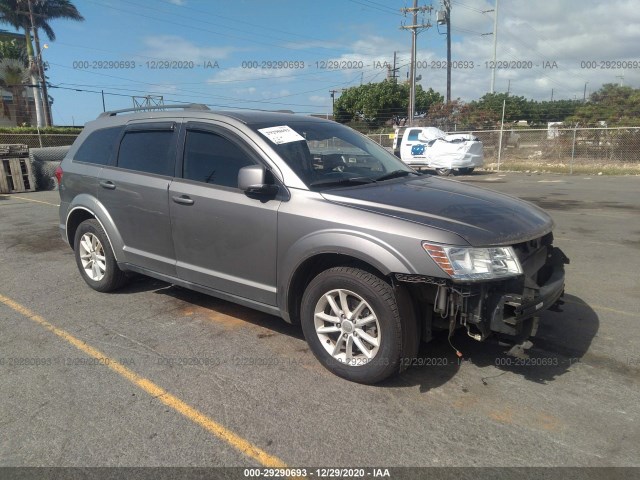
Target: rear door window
(149,151)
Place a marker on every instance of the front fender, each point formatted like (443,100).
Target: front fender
(366,248)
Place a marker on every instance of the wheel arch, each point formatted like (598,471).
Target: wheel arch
(86,208)
(313,266)
(328,249)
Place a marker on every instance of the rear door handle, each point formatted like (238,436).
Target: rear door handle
(108,184)
(183,200)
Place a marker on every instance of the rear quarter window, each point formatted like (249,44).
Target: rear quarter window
(98,146)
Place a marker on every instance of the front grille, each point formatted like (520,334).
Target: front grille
(534,256)
(525,250)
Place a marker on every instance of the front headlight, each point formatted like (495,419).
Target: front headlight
(469,263)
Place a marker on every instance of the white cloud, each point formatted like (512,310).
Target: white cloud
(178,2)
(242,74)
(245,91)
(320,100)
(174,47)
(309,45)
(564,31)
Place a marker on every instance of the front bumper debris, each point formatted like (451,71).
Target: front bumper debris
(508,308)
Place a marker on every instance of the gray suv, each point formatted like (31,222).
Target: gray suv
(308,220)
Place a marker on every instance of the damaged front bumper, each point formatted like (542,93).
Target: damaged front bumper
(507,308)
(511,313)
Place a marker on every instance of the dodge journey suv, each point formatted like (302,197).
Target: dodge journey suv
(308,220)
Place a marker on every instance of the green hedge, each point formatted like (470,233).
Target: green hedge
(44,131)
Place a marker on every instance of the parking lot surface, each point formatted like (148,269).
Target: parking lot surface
(155,375)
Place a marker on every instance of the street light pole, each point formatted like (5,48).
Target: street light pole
(495,47)
(48,118)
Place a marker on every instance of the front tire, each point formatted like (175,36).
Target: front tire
(351,321)
(95,259)
(465,170)
(443,172)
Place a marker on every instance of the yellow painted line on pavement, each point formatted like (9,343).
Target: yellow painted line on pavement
(234,440)
(36,201)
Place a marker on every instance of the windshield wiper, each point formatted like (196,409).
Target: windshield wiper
(341,181)
(395,174)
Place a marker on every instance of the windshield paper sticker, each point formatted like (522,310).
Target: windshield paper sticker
(280,135)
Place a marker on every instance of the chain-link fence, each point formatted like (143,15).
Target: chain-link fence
(44,152)
(565,150)
(34,140)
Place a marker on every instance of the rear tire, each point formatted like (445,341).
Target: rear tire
(95,259)
(351,321)
(443,172)
(465,171)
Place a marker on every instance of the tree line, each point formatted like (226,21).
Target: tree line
(376,105)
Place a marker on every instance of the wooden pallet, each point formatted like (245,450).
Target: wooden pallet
(13,150)
(16,175)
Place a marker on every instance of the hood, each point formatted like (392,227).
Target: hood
(482,217)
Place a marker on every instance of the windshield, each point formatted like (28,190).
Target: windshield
(332,155)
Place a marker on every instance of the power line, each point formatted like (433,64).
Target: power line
(382,5)
(468,7)
(253,25)
(373,7)
(191,27)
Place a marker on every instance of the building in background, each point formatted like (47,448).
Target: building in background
(8,114)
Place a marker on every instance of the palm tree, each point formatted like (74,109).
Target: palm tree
(11,49)
(13,75)
(16,13)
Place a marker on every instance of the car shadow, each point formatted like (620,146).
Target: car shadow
(184,297)
(562,339)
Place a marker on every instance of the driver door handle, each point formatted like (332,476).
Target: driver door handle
(183,200)
(108,184)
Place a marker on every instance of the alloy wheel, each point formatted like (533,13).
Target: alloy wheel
(347,327)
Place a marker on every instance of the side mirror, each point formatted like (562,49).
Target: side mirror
(252,180)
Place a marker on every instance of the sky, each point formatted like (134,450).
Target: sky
(289,54)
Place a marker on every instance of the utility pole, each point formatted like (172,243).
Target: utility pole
(584,95)
(394,72)
(552,94)
(447,10)
(415,28)
(508,88)
(333,100)
(33,79)
(495,46)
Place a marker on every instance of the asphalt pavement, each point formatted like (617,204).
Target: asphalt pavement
(182,379)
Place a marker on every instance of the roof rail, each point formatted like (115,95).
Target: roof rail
(184,106)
